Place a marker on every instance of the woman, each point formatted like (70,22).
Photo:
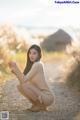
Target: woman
(32,82)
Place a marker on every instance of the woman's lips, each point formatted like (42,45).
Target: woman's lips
(32,58)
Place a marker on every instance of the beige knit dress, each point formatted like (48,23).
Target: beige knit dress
(36,77)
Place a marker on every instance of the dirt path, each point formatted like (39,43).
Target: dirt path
(66,106)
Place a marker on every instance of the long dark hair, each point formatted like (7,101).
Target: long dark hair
(29,63)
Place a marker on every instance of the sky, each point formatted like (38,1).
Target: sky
(39,13)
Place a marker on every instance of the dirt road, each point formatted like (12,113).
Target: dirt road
(65,107)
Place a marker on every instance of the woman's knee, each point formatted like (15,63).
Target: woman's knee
(24,91)
(26,85)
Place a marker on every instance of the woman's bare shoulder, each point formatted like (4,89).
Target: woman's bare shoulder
(38,63)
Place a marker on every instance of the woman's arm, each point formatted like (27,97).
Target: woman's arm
(30,74)
(15,69)
(34,70)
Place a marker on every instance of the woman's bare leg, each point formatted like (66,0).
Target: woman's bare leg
(36,92)
(32,93)
(23,93)
(29,91)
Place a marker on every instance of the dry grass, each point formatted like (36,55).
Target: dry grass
(11,43)
(72,69)
(20,57)
(53,56)
(14,47)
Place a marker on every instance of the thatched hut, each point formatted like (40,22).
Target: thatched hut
(57,41)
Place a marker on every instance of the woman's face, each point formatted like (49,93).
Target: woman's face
(33,55)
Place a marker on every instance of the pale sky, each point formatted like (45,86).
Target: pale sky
(39,13)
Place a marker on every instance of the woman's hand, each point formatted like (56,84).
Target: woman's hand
(15,69)
(13,66)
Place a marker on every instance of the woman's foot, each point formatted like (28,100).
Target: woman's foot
(36,108)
